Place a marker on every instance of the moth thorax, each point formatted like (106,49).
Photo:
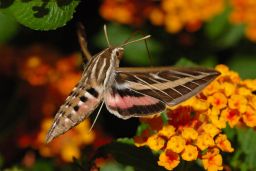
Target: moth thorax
(118,52)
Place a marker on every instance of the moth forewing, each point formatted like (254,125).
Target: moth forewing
(127,92)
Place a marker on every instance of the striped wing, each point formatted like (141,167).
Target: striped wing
(143,91)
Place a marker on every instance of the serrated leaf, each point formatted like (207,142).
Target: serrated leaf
(42,14)
(8,27)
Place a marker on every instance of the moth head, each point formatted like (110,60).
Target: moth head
(118,52)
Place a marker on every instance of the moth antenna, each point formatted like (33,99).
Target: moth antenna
(96,116)
(134,33)
(143,38)
(106,35)
(149,55)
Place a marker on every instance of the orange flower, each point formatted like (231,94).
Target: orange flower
(249,117)
(223,143)
(211,129)
(176,144)
(189,133)
(232,116)
(238,102)
(194,126)
(212,160)
(218,100)
(190,153)
(167,131)
(204,141)
(155,142)
(169,160)
(66,146)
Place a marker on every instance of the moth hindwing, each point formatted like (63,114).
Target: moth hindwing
(127,92)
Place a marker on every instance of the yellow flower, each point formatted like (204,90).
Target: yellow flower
(190,153)
(211,129)
(69,152)
(169,159)
(223,143)
(218,100)
(238,102)
(212,160)
(176,144)
(200,105)
(212,88)
(189,133)
(155,142)
(232,116)
(249,117)
(244,91)
(223,69)
(218,121)
(156,17)
(229,88)
(204,141)
(167,131)
(250,84)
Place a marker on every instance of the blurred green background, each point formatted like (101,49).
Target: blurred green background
(39,37)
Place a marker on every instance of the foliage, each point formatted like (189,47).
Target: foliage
(214,130)
(40,14)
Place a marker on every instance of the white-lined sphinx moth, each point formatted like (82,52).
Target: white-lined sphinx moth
(127,92)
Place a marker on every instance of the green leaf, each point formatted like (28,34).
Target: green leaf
(217,25)
(42,14)
(14,168)
(244,65)
(141,128)
(114,166)
(232,36)
(8,27)
(184,62)
(129,141)
(135,53)
(164,117)
(247,141)
(221,32)
(140,159)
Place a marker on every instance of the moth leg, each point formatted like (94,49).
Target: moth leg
(82,41)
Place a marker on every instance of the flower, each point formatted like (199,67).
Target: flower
(169,159)
(190,153)
(212,160)
(176,144)
(243,13)
(66,146)
(223,143)
(155,142)
(193,130)
(174,15)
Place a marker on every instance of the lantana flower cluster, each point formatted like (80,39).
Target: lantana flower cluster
(176,15)
(172,14)
(194,128)
(243,12)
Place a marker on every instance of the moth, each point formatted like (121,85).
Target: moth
(126,92)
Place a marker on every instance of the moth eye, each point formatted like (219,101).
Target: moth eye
(117,53)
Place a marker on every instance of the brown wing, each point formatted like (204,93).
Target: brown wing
(156,86)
